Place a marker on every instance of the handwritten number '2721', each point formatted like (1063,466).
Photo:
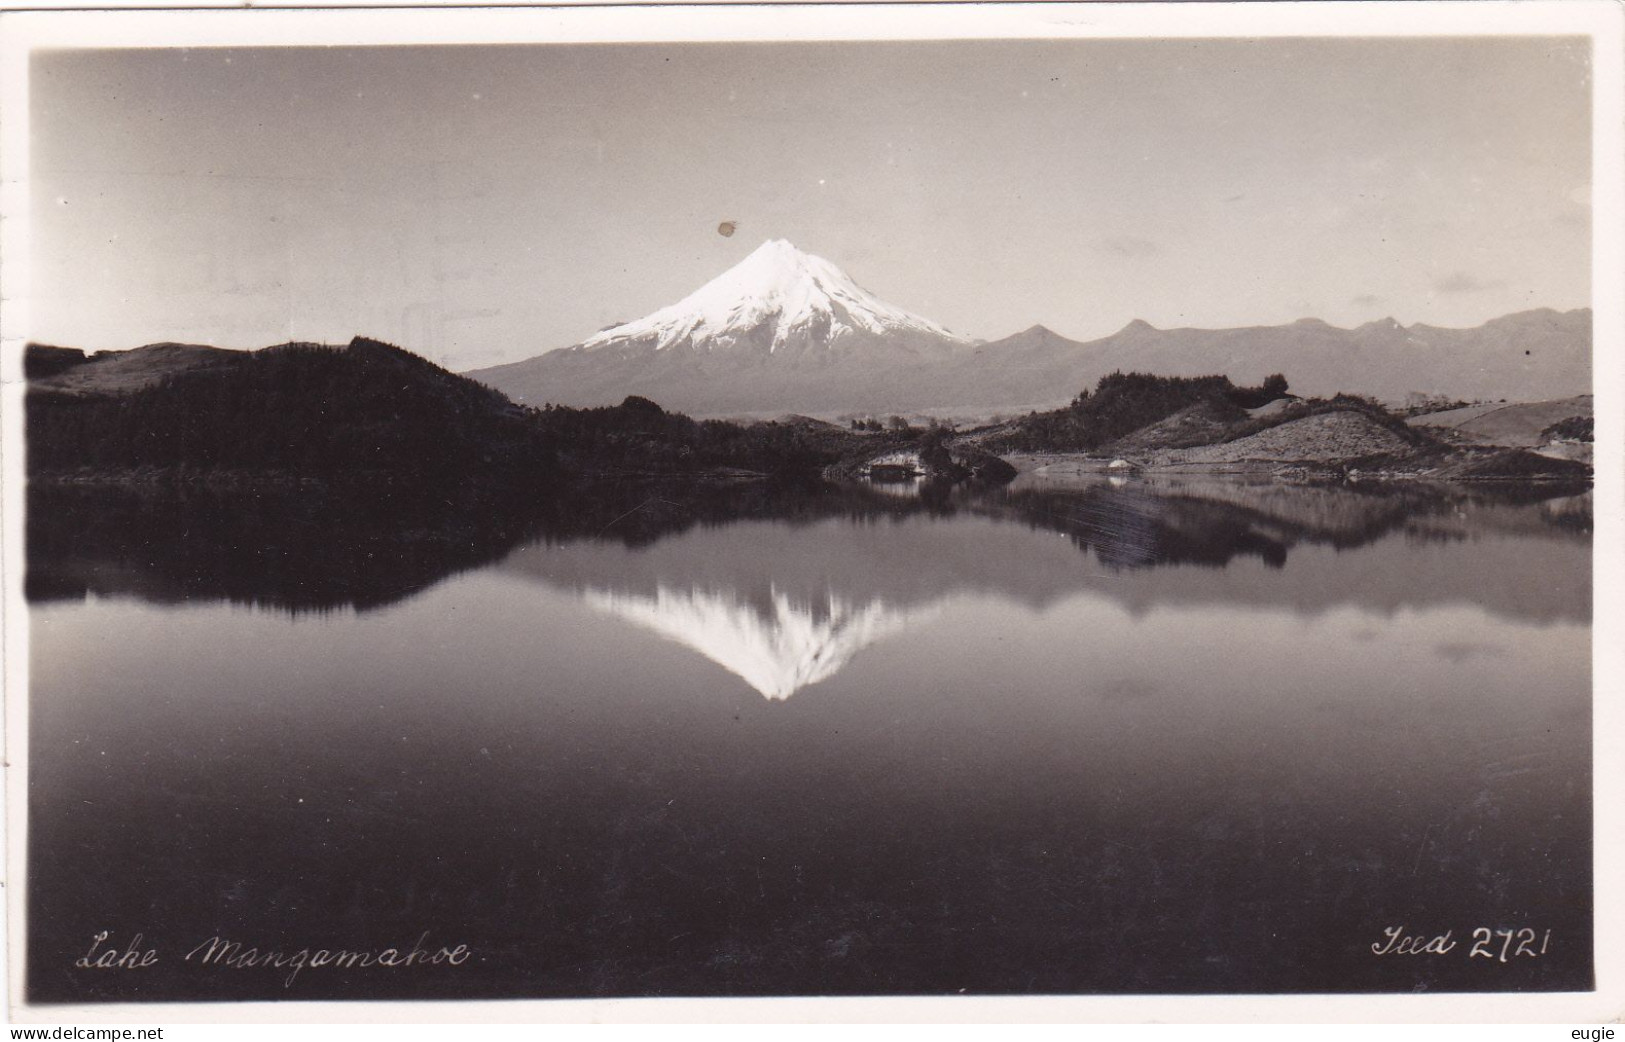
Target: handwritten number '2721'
(1483,943)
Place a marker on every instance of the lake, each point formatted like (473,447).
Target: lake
(1091,737)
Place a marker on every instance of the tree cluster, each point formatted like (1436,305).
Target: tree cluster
(639,435)
(1122,403)
(1575,428)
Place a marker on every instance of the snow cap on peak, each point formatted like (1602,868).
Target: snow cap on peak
(781,250)
(775,284)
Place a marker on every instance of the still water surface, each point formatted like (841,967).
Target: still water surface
(1157,738)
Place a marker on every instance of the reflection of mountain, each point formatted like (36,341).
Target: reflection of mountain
(1272,547)
(778,645)
(1142,544)
(786,605)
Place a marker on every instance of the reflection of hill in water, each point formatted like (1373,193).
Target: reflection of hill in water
(676,554)
(288,547)
(1198,518)
(785,606)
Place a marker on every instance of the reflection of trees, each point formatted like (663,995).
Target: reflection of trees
(1141,525)
(1128,529)
(313,547)
(302,548)
(1212,522)
(1572,513)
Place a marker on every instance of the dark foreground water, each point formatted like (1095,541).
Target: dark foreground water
(1149,738)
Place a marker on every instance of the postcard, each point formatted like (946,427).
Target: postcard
(1099,506)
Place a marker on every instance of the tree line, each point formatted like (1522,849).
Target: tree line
(1122,403)
(375,409)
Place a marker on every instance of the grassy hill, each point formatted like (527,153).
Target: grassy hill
(1519,424)
(70,371)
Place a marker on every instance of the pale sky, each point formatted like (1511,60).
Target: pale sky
(484,204)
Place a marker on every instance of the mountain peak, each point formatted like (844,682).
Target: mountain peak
(778,246)
(781,254)
(776,293)
(1139,325)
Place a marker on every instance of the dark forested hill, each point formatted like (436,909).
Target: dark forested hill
(367,408)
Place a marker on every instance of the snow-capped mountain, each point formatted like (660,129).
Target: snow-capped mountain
(779,295)
(784,331)
(780,330)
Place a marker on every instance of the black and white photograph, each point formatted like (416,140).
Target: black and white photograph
(966,502)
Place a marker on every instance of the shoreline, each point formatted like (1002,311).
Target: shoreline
(1061,465)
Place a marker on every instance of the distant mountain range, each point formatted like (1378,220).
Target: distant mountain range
(1524,356)
(787,331)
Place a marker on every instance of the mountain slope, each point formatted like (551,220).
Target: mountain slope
(780,331)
